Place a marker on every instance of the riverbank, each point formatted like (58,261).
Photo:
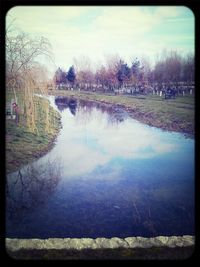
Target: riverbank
(171,115)
(23,146)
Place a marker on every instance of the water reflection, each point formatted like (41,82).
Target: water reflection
(97,134)
(61,102)
(64,102)
(116,115)
(119,178)
(30,187)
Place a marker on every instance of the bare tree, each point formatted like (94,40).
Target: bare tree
(188,68)
(84,73)
(112,67)
(22,56)
(173,67)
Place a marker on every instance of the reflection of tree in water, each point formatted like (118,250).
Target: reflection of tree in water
(31,187)
(115,114)
(63,102)
(85,108)
(73,106)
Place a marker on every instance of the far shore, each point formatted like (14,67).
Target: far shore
(172,115)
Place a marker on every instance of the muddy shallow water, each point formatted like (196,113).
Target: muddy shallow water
(108,175)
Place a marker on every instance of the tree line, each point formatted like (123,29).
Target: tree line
(170,68)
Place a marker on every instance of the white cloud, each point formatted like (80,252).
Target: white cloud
(125,20)
(168,11)
(127,31)
(32,16)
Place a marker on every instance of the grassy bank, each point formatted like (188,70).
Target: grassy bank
(22,146)
(172,114)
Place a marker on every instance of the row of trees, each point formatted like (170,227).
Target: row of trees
(65,77)
(116,73)
(174,67)
(170,67)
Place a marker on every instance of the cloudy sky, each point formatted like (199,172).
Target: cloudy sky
(96,31)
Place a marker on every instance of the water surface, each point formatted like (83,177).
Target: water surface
(118,178)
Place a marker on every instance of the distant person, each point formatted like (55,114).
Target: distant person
(17,110)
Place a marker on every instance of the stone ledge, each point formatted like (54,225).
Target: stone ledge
(15,244)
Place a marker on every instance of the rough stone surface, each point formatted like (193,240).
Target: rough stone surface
(114,242)
(15,244)
(162,240)
(82,243)
(120,243)
(131,241)
(103,242)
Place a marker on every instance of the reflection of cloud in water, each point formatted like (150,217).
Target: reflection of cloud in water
(89,140)
(130,140)
(82,159)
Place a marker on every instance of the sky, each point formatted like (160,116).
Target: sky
(98,31)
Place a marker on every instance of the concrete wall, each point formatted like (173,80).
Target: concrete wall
(14,244)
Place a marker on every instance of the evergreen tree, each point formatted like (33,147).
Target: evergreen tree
(71,76)
(124,73)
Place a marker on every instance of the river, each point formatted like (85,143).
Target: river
(109,176)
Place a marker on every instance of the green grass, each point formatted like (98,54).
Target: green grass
(22,146)
(172,114)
